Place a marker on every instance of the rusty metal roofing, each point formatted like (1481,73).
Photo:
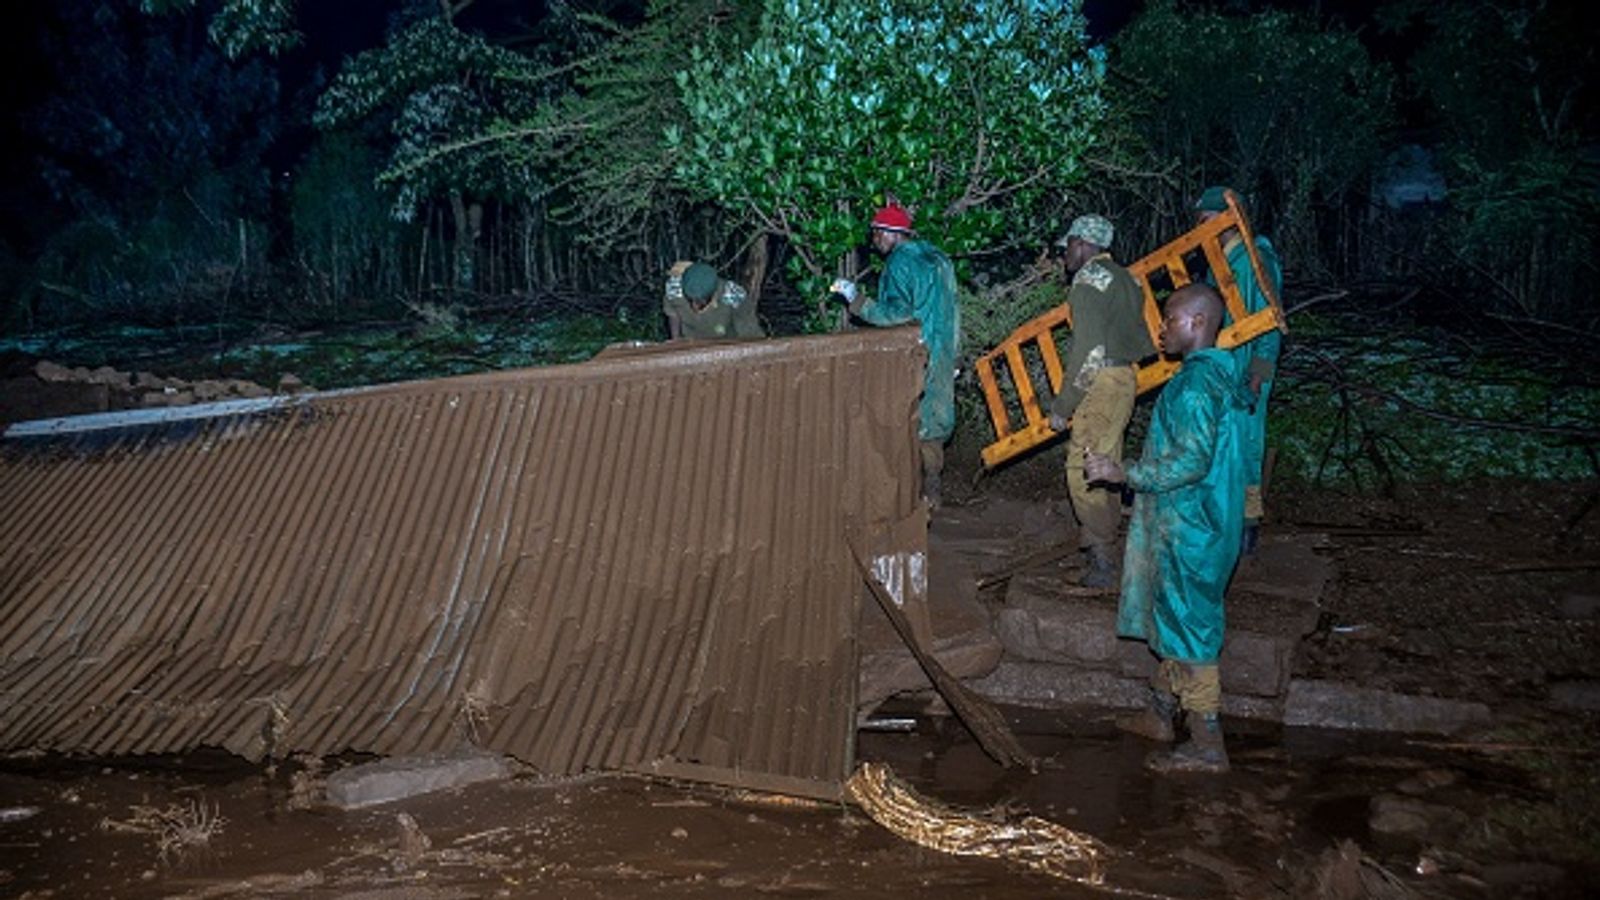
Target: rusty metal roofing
(639,562)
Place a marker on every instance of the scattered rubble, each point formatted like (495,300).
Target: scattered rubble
(51,390)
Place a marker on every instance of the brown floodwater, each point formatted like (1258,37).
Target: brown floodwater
(1260,831)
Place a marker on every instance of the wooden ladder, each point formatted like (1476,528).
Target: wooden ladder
(1036,336)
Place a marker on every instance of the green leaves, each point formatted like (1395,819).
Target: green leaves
(457,106)
(971,114)
(241,27)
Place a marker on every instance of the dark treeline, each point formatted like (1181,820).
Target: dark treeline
(188,161)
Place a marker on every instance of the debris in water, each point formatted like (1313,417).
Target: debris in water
(413,842)
(1034,842)
(178,828)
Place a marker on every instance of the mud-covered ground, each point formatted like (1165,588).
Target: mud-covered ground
(1255,833)
(1468,592)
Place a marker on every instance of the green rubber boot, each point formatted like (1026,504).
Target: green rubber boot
(1203,753)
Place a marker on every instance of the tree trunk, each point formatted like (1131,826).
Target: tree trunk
(468,226)
(754,276)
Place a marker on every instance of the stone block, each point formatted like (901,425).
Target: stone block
(52,372)
(1039,627)
(397,778)
(1257,664)
(1578,695)
(1287,567)
(1244,706)
(110,378)
(1056,631)
(1580,607)
(1052,686)
(1332,704)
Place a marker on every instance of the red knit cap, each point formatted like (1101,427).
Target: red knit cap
(892,218)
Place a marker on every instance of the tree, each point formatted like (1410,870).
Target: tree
(973,113)
(1510,85)
(1289,110)
(241,27)
(456,106)
(346,243)
(605,141)
(156,146)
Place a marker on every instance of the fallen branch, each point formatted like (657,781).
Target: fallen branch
(1337,379)
(1313,301)
(1541,323)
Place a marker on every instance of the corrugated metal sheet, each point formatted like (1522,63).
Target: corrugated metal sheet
(638,562)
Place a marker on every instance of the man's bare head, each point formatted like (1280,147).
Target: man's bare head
(1191,320)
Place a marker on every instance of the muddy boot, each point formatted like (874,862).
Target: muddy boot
(931,482)
(1155,720)
(1101,571)
(1203,753)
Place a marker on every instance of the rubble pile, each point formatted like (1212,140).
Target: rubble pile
(49,390)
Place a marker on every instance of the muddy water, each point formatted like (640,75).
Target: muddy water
(1257,832)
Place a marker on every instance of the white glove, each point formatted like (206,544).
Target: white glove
(845,288)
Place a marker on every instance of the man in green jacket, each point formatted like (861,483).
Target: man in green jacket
(918,284)
(1183,541)
(1257,360)
(1097,383)
(701,306)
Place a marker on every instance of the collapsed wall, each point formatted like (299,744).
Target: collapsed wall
(639,562)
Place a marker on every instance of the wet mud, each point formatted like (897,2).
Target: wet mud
(1264,830)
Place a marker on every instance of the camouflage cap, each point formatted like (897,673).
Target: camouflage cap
(1091,228)
(699,280)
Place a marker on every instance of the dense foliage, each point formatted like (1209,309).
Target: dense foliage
(972,114)
(604,141)
(154,150)
(443,92)
(1288,110)
(240,27)
(1510,86)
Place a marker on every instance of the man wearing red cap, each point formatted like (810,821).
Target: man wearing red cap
(918,283)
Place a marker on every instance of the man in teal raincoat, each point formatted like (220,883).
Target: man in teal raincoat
(1183,540)
(1257,360)
(918,284)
